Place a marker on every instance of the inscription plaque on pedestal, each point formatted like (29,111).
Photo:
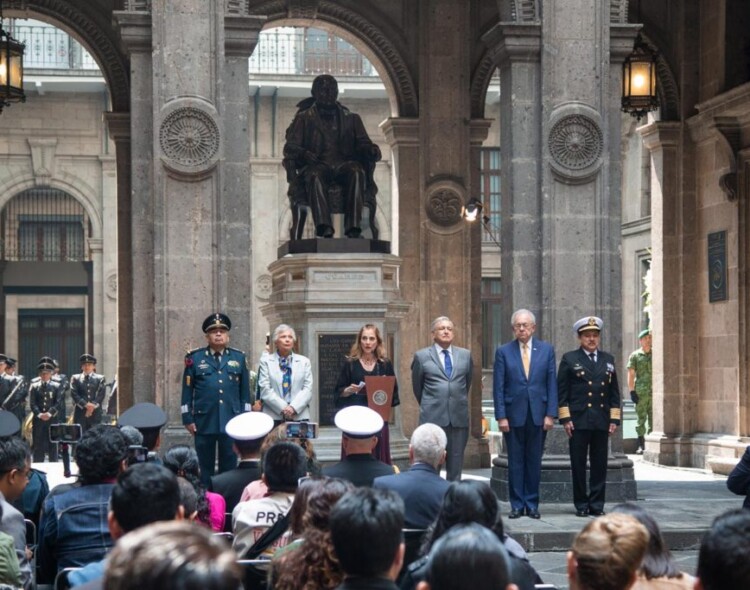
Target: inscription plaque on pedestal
(332,350)
(717,266)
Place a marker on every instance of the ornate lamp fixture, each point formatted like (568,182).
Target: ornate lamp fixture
(11,67)
(473,211)
(639,80)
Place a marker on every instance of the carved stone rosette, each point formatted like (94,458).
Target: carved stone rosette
(575,143)
(445,199)
(189,137)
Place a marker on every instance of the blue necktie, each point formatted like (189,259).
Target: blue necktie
(448,364)
(285,364)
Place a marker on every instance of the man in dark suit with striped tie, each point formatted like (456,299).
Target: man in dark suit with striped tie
(590,412)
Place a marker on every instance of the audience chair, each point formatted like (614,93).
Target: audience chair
(61,579)
(228,537)
(31,544)
(256,573)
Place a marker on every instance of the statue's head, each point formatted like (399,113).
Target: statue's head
(325,90)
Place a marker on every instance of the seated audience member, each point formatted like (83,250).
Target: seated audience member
(607,553)
(421,487)
(724,556)
(15,465)
(366,533)
(132,436)
(73,531)
(465,502)
(359,429)
(468,556)
(172,556)
(247,432)
(283,466)
(658,570)
(182,460)
(188,499)
(10,571)
(311,562)
(739,479)
(257,489)
(144,493)
(148,419)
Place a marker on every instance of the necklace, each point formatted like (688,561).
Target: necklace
(368,364)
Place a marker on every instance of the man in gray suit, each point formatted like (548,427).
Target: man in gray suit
(441,379)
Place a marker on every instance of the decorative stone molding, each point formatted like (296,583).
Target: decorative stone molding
(93,25)
(241,7)
(263,286)
(399,79)
(137,6)
(43,159)
(519,11)
(303,8)
(618,11)
(189,137)
(110,286)
(576,143)
(480,81)
(445,199)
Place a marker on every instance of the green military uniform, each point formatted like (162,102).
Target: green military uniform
(640,362)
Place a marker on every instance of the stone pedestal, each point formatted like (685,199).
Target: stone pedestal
(556,486)
(326,298)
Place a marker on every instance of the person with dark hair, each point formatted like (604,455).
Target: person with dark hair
(144,493)
(132,436)
(247,431)
(188,498)
(466,502)
(366,534)
(724,556)
(658,570)
(149,419)
(15,466)
(468,556)
(46,400)
(10,572)
(182,460)
(311,563)
(87,390)
(73,530)
(283,465)
(172,556)
(606,554)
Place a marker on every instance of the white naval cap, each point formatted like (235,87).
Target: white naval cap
(358,421)
(588,323)
(249,426)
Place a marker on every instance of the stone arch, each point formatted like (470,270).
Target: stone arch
(76,188)
(365,35)
(480,82)
(93,28)
(666,88)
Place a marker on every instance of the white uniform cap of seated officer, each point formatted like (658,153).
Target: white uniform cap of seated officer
(250,426)
(358,421)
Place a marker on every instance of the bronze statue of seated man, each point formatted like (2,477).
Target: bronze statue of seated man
(327,148)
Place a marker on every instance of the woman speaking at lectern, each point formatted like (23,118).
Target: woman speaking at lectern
(367,358)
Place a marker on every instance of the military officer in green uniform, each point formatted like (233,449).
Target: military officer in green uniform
(639,384)
(589,398)
(215,389)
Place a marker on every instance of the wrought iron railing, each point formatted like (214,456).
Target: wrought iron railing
(49,48)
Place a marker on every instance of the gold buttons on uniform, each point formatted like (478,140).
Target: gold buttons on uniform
(603,383)
(590,394)
(589,405)
(590,383)
(221,401)
(602,405)
(221,391)
(220,381)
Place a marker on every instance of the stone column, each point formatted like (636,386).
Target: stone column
(106,349)
(662,139)
(191,202)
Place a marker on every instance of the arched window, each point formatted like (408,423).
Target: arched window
(44,224)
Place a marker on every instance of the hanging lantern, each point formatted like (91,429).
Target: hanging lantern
(639,80)
(11,68)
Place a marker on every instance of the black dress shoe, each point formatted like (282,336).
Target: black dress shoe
(597,512)
(582,513)
(515,514)
(533,514)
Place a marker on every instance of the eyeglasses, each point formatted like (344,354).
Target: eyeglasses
(26,473)
(522,326)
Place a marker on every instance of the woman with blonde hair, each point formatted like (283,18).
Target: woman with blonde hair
(367,358)
(607,553)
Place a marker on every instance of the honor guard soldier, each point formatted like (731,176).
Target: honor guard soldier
(45,398)
(87,390)
(589,397)
(215,389)
(15,400)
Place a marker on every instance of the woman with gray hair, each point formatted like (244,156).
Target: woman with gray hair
(285,379)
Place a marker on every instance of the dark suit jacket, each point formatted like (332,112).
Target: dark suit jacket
(589,395)
(230,484)
(739,480)
(442,401)
(515,394)
(422,490)
(358,469)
